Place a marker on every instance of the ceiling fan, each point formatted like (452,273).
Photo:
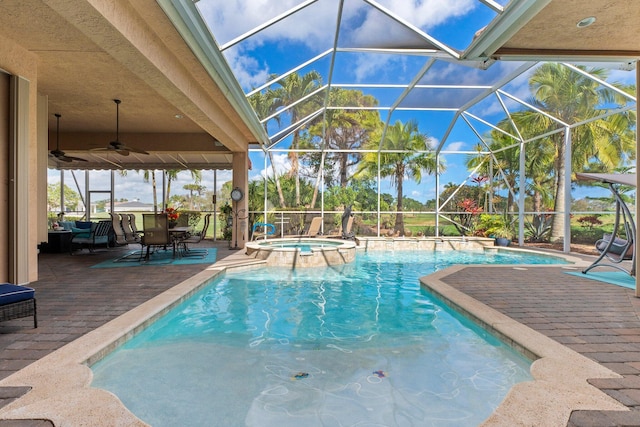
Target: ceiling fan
(116,145)
(58,153)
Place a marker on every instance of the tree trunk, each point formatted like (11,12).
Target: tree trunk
(317,184)
(537,201)
(344,157)
(168,189)
(295,166)
(155,192)
(399,227)
(276,178)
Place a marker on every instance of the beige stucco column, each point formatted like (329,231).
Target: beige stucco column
(637,174)
(240,230)
(19,121)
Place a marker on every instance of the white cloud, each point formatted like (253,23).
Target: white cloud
(247,70)
(427,14)
(281,162)
(314,26)
(455,146)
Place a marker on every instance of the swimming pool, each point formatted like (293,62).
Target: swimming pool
(300,252)
(362,343)
(304,245)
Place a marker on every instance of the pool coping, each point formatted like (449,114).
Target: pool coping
(560,374)
(61,381)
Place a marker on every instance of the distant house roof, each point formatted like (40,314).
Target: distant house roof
(134,206)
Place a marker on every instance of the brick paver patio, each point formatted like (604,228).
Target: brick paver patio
(599,320)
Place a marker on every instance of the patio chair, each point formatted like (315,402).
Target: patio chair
(262,230)
(155,232)
(194,239)
(98,234)
(134,227)
(118,232)
(129,235)
(314,227)
(16,302)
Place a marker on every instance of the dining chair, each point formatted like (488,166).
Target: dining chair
(155,232)
(195,238)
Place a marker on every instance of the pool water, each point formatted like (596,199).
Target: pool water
(358,344)
(303,245)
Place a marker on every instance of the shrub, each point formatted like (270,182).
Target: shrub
(538,230)
(589,221)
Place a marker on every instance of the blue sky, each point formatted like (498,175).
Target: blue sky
(310,32)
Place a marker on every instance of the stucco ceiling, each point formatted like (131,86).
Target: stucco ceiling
(89,53)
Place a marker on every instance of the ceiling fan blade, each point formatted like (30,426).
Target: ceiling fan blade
(122,151)
(137,150)
(75,159)
(54,154)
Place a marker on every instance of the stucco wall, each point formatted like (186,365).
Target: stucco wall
(17,61)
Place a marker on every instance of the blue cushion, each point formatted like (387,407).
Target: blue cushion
(67,225)
(13,293)
(83,224)
(81,232)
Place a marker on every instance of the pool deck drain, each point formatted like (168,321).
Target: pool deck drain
(596,320)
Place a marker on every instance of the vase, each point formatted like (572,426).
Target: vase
(502,241)
(172,224)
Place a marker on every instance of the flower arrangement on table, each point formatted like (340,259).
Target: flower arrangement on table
(172,215)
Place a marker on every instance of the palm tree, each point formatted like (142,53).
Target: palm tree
(344,130)
(293,89)
(172,175)
(150,175)
(191,188)
(404,152)
(572,97)
(264,105)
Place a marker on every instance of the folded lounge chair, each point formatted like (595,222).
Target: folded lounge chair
(314,227)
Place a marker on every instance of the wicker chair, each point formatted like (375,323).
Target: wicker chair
(16,302)
(98,234)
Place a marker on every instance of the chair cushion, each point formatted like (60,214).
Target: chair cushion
(81,233)
(67,225)
(84,224)
(13,293)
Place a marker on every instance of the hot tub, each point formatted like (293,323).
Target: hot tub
(303,252)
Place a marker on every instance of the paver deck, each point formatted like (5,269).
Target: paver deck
(598,320)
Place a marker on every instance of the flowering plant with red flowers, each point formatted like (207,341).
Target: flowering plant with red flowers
(172,214)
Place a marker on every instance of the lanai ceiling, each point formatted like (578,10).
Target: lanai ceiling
(180,101)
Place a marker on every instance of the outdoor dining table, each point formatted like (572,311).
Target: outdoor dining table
(176,233)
